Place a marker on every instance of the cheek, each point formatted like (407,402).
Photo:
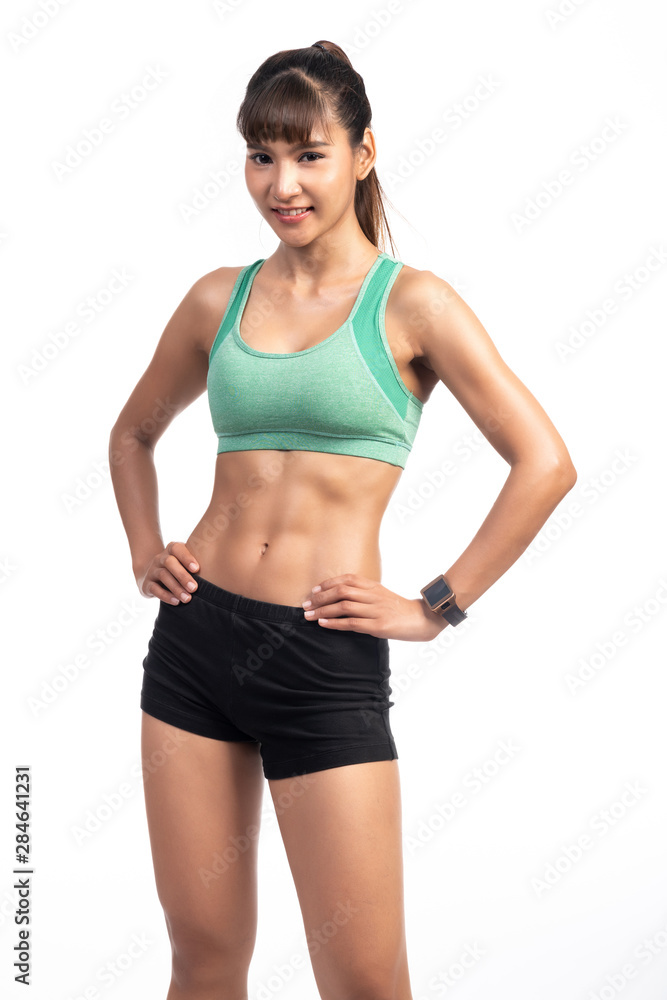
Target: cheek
(251,181)
(338,184)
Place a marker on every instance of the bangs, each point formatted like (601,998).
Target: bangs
(289,108)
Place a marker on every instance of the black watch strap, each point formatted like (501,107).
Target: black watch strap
(453,614)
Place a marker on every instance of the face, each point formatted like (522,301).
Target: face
(320,177)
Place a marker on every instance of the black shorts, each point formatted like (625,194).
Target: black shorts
(232,668)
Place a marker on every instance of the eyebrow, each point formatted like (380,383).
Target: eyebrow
(296,145)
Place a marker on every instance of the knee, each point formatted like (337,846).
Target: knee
(204,954)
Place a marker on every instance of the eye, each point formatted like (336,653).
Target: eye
(254,156)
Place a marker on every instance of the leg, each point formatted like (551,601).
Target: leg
(342,836)
(200,793)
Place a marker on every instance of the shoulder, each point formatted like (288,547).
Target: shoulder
(215,286)
(425,303)
(206,300)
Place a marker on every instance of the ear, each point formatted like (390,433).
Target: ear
(366,155)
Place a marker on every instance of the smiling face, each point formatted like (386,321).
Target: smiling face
(319,175)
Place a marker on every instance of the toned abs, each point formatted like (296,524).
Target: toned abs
(281,521)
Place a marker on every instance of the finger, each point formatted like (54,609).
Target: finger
(346,608)
(348,624)
(339,593)
(162,576)
(351,579)
(153,589)
(183,554)
(184,579)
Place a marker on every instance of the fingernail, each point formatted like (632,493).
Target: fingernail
(192,566)
(315,589)
(191,585)
(306,604)
(306,613)
(185,597)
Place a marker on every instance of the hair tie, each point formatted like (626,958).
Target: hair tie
(319,46)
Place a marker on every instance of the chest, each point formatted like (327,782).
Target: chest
(274,320)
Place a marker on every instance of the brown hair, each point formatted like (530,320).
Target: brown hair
(297,89)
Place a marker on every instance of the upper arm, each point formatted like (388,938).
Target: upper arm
(450,338)
(176,374)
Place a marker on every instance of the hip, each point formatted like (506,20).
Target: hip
(222,637)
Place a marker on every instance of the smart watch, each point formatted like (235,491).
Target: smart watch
(441,598)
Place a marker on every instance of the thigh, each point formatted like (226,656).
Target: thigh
(203,805)
(342,835)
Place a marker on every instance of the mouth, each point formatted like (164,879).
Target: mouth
(289,214)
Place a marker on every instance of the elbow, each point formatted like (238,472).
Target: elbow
(551,472)
(563,473)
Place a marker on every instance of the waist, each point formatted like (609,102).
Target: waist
(283,567)
(279,522)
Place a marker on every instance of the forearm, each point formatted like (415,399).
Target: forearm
(528,497)
(136,489)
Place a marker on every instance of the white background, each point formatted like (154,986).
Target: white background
(591,590)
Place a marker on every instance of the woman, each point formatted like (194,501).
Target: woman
(269,656)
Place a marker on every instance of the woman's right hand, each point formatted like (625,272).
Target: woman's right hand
(166,575)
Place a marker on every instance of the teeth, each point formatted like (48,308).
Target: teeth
(292,211)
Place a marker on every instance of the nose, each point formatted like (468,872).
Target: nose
(285,184)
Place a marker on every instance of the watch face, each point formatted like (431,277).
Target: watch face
(438,591)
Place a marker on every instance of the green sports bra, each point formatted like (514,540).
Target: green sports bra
(344,395)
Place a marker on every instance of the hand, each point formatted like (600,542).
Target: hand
(373,609)
(166,575)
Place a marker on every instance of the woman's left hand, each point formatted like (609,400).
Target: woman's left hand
(358,604)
